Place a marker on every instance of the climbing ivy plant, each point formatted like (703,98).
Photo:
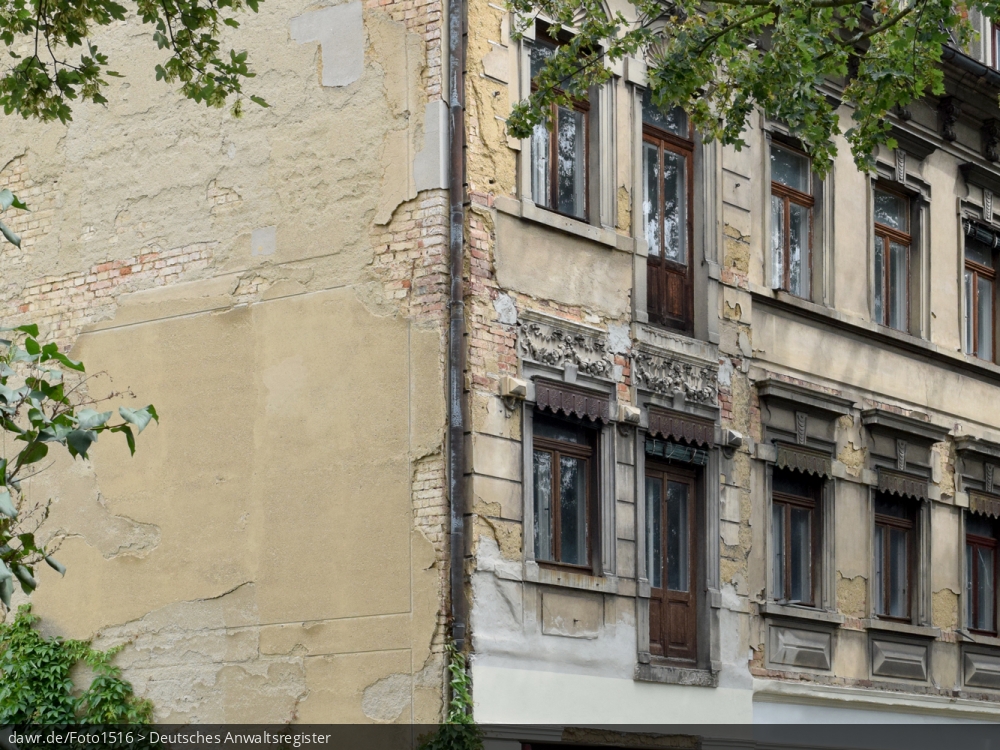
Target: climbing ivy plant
(459,730)
(44,406)
(36,687)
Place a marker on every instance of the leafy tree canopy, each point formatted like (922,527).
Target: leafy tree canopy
(54,62)
(721,59)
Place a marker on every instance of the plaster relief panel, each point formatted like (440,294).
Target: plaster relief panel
(982,670)
(667,375)
(799,648)
(558,343)
(571,615)
(893,659)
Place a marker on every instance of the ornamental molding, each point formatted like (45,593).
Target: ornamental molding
(555,342)
(668,374)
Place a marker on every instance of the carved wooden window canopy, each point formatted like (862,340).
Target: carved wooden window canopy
(676,426)
(984,504)
(902,484)
(803,460)
(574,402)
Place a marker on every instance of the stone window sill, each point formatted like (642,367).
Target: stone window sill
(902,628)
(668,675)
(525,209)
(794,612)
(980,640)
(582,581)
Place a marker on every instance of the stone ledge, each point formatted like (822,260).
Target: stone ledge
(530,212)
(809,614)
(667,675)
(901,628)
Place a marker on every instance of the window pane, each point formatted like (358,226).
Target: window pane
(798,250)
(557,429)
(654,531)
(571,168)
(970,320)
(538,53)
(543,505)
(980,526)
(890,211)
(778,556)
(879,554)
(651,196)
(674,208)
(978,251)
(879,279)
(969,592)
(985,300)
(673,120)
(677,536)
(985,587)
(898,573)
(573,510)
(898,286)
(777,241)
(790,168)
(540,165)
(801,553)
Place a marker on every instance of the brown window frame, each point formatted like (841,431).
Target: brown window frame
(974,540)
(812,504)
(886,235)
(589,454)
(995,32)
(667,472)
(665,140)
(578,105)
(977,270)
(791,195)
(910,527)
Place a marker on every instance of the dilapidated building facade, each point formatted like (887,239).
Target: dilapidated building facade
(733,426)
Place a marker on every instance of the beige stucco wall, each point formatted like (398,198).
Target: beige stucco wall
(275,550)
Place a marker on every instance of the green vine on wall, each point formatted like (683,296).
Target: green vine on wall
(36,686)
(459,732)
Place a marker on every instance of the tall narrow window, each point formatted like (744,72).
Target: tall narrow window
(892,260)
(791,220)
(980,296)
(667,155)
(795,536)
(559,156)
(564,482)
(893,556)
(980,574)
(670,549)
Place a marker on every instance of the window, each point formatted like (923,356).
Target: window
(564,484)
(995,34)
(667,156)
(980,294)
(895,534)
(671,558)
(980,574)
(892,260)
(559,156)
(795,536)
(791,220)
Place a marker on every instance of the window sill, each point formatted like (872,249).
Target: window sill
(525,209)
(980,640)
(581,581)
(794,612)
(667,675)
(902,628)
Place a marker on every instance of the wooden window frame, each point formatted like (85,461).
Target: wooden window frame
(910,527)
(978,270)
(791,195)
(974,541)
(812,504)
(887,235)
(995,38)
(589,454)
(665,140)
(579,105)
(665,472)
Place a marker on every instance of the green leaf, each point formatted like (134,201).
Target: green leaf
(12,238)
(139,417)
(33,453)
(8,199)
(55,565)
(31,346)
(6,584)
(6,505)
(31,329)
(88,419)
(28,583)
(79,441)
